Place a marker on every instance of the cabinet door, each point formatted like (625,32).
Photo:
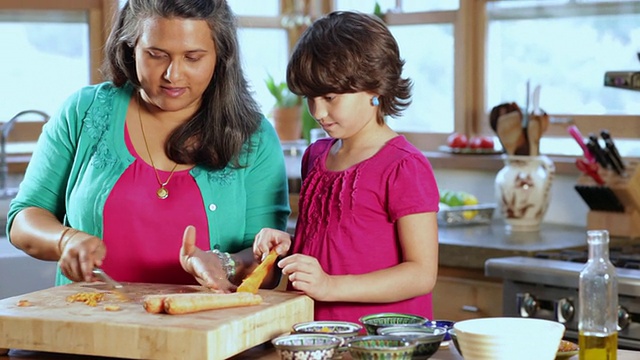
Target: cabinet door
(460,299)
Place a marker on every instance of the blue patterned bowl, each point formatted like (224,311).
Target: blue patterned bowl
(373,322)
(380,347)
(447,324)
(427,339)
(306,346)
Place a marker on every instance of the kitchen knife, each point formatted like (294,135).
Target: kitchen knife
(613,150)
(575,133)
(614,163)
(596,150)
(100,274)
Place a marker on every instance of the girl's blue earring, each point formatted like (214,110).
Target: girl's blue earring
(375,101)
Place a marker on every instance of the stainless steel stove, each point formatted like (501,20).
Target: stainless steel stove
(546,287)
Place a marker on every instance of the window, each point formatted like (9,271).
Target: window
(566,47)
(50,50)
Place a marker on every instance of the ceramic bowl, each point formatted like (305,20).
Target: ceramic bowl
(372,322)
(454,339)
(343,329)
(427,339)
(506,338)
(306,346)
(447,324)
(379,347)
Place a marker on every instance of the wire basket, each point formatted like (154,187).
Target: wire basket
(466,215)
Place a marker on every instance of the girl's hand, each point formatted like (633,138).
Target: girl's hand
(306,274)
(268,239)
(79,254)
(205,266)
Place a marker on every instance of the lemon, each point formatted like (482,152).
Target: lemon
(469,199)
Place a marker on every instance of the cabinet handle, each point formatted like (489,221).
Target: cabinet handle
(470,308)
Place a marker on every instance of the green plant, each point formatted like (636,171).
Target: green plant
(284,97)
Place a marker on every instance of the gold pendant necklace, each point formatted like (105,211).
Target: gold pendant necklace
(162,192)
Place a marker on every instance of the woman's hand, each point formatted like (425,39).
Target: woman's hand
(205,266)
(306,274)
(79,254)
(268,239)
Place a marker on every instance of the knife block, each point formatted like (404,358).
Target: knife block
(627,191)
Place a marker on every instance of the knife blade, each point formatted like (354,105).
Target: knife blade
(100,274)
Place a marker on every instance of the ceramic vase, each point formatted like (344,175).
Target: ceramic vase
(523,188)
(288,123)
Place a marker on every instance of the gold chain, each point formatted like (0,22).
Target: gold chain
(162,192)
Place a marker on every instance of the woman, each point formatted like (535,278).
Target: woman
(173,139)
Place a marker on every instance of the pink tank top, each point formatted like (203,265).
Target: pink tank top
(142,233)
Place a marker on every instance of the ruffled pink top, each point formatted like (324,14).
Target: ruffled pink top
(347,219)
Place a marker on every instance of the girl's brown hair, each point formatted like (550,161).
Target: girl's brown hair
(348,52)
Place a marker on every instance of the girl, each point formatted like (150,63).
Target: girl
(366,239)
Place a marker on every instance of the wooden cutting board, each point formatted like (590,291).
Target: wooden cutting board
(52,324)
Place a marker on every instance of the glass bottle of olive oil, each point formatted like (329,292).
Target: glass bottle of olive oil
(598,302)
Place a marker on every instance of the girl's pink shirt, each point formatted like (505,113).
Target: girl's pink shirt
(142,233)
(347,219)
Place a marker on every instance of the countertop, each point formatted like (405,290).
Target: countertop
(470,246)
(267,352)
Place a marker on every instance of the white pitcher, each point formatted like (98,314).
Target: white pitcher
(522,188)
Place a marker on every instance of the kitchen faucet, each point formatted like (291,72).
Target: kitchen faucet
(5,129)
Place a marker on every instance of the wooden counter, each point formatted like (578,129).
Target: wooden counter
(267,352)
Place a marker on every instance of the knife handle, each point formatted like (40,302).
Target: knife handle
(615,155)
(596,151)
(575,133)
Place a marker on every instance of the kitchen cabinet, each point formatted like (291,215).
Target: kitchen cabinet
(462,294)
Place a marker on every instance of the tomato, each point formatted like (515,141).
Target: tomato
(457,140)
(481,142)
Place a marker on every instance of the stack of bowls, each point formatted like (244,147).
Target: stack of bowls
(427,339)
(306,346)
(503,338)
(342,329)
(379,347)
(373,322)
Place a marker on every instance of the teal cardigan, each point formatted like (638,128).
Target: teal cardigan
(81,153)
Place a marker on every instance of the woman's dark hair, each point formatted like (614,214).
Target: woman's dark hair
(228,114)
(348,52)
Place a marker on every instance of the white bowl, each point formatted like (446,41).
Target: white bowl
(503,338)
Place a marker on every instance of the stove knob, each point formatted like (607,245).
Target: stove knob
(624,318)
(527,305)
(564,310)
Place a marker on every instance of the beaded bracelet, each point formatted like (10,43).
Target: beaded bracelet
(228,264)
